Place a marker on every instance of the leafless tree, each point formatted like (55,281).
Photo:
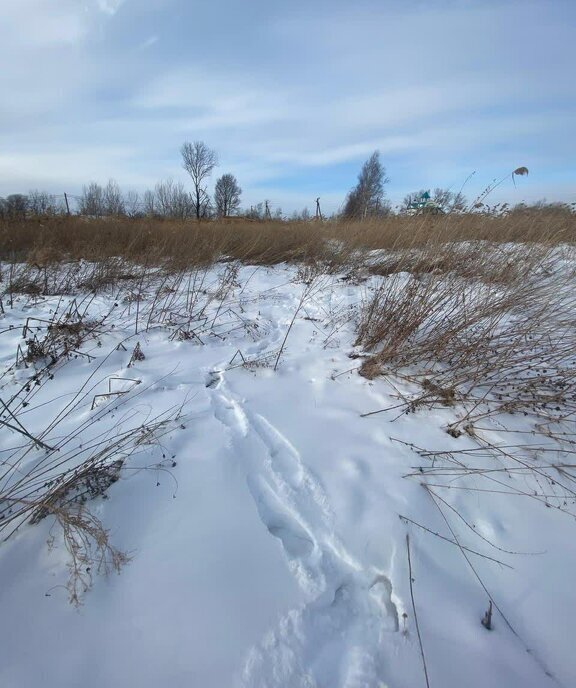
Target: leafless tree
(113,200)
(99,201)
(171,200)
(15,206)
(206,207)
(227,195)
(92,200)
(132,205)
(41,203)
(38,203)
(149,203)
(367,198)
(199,161)
(449,200)
(301,216)
(163,197)
(256,212)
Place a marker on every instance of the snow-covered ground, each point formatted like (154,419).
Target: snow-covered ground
(263,525)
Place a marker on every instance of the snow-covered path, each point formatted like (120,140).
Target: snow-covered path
(337,633)
(267,548)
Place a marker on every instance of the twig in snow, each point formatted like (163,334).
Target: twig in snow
(443,537)
(487,620)
(414,610)
(528,649)
(303,298)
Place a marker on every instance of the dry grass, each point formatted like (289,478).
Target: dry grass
(68,474)
(500,328)
(484,333)
(186,244)
(493,338)
(54,474)
(181,244)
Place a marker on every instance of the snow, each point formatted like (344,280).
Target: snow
(272,553)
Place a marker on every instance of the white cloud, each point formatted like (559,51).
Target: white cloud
(297,95)
(57,171)
(109,6)
(36,24)
(149,42)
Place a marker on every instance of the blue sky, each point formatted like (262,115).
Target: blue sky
(293,96)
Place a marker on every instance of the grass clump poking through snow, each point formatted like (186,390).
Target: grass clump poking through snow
(64,450)
(483,337)
(493,338)
(507,343)
(75,453)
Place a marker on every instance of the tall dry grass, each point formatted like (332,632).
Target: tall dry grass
(188,243)
(491,323)
(490,333)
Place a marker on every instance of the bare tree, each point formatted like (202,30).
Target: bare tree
(171,200)
(38,203)
(163,198)
(301,216)
(41,203)
(149,203)
(199,161)
(206,207)
(92,200)
(449,200)
(15,206)
(267,213)
(367,199)
(132,205)
(227,195)
(113,200)
(256,212)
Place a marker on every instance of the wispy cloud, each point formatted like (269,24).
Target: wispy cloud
(109,6)
(293,97)
(149,42)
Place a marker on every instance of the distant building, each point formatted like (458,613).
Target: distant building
(424,204)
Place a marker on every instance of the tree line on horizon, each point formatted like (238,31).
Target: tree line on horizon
(171,199)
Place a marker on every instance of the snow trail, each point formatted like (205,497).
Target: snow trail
(349,607)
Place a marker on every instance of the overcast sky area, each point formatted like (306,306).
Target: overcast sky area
(293,95)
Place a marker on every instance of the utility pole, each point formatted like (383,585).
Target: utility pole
(67,206)
(318,211)
(267,213)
